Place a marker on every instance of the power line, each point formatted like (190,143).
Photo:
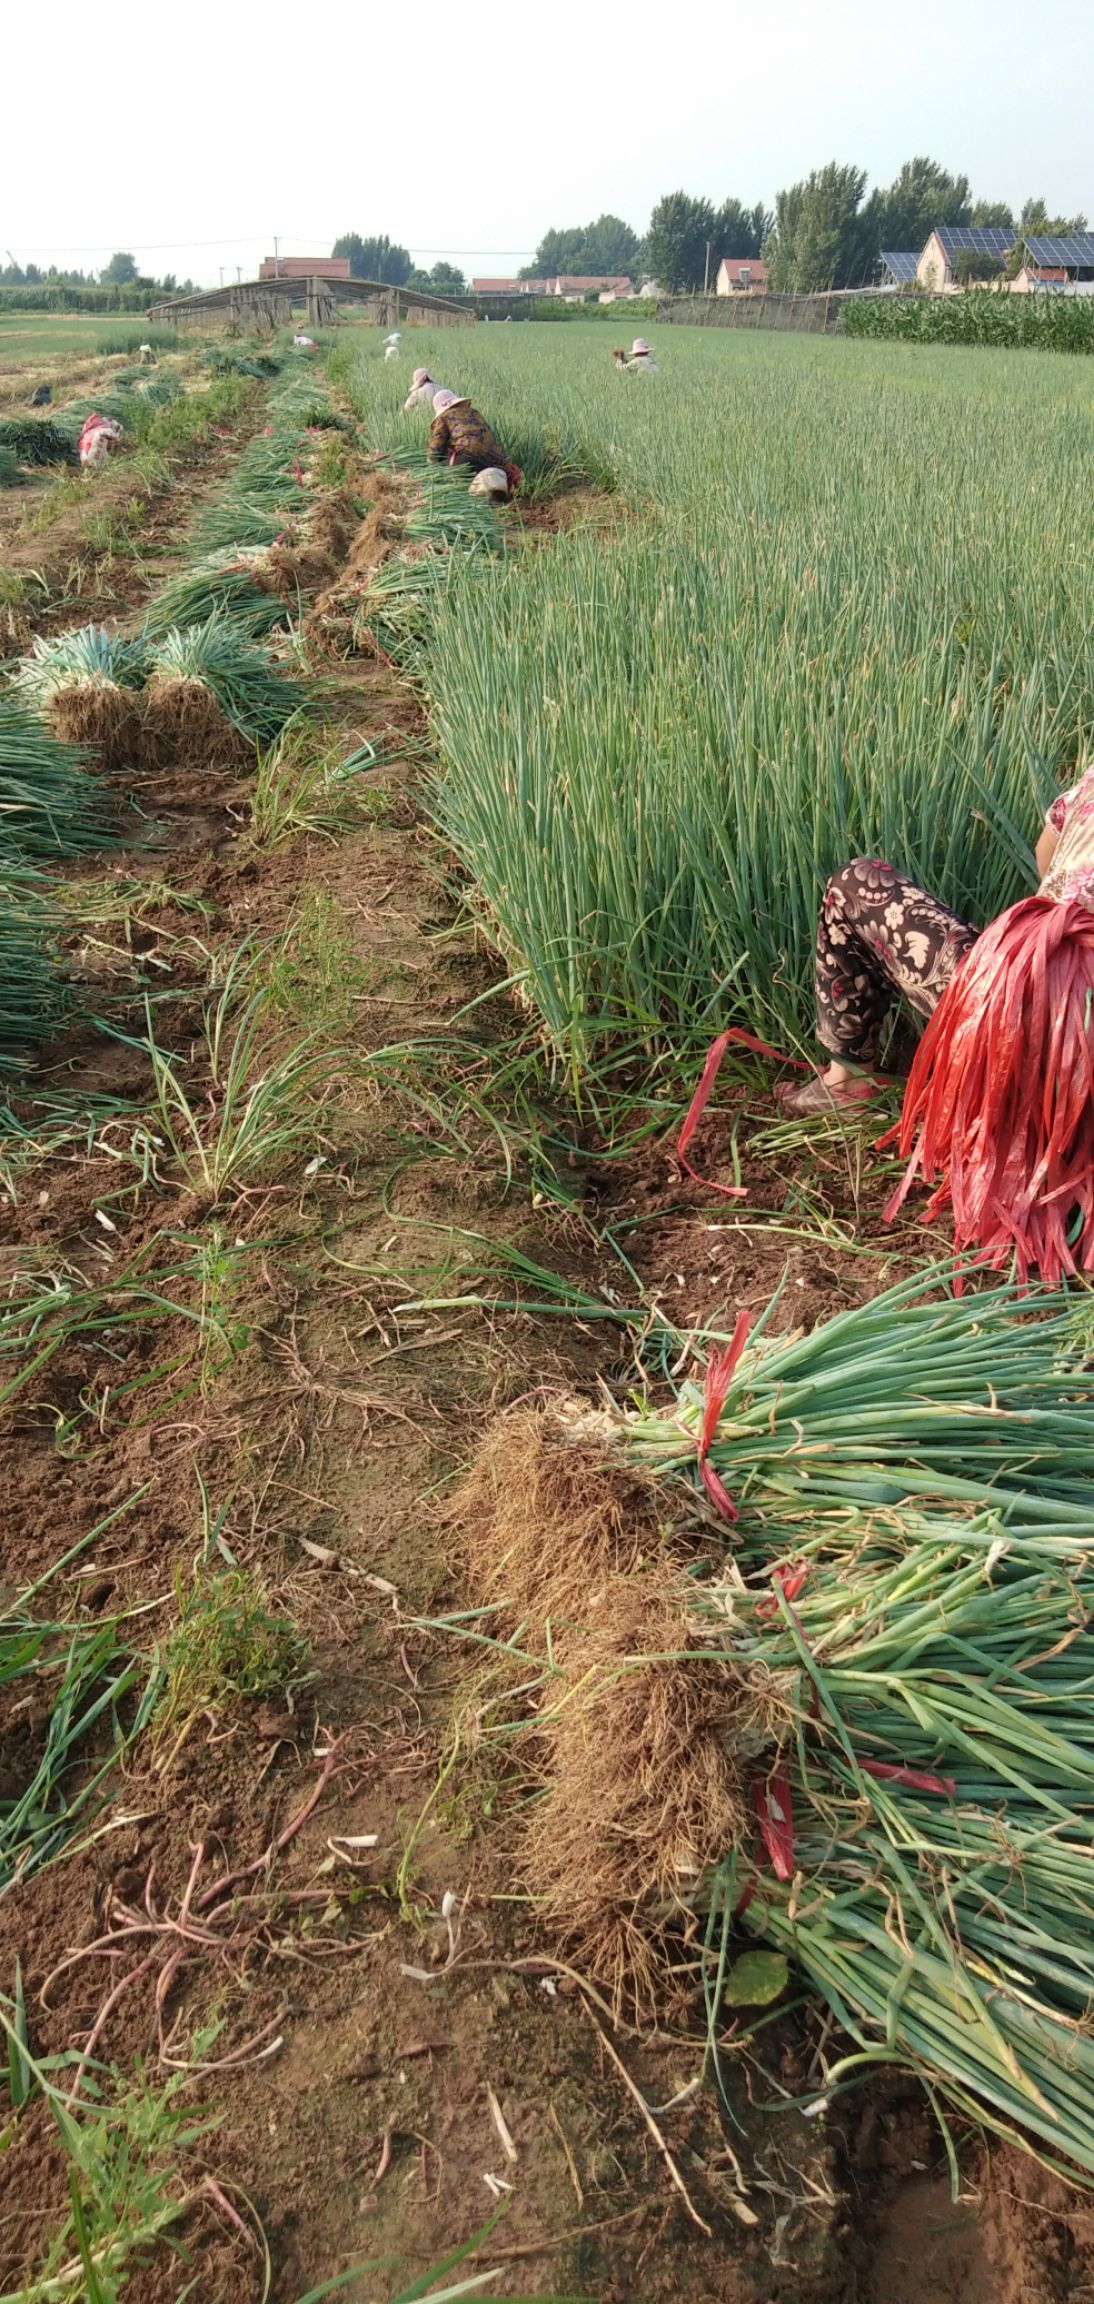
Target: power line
(232,239)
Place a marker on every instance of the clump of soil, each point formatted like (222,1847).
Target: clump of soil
(640,1789)
(183,726)
(332,524)
(100,715)
(290,569)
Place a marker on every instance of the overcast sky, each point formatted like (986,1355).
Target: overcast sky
(193,138)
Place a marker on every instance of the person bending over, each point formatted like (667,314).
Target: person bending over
(459,435)
(879,934)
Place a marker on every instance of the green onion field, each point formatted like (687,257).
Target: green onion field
(545,1652)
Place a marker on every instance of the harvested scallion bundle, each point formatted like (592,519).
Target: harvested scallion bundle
(37,440)
(83,683)
(212,697)
(965,1400)
(444,513)
(923,1775)
(49,805)
(32,993)
(225,582)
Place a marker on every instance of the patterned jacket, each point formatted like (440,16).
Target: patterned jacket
(461,436)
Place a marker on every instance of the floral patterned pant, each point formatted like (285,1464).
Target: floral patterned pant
(878,934)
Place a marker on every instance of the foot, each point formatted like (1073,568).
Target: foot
(829,1091)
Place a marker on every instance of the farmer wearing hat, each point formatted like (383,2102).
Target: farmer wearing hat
(423,386)
(459,435)
(641,362)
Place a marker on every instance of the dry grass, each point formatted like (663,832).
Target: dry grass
(639,1789)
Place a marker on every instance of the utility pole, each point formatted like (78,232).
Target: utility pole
(706,270)
(277,263)
(239,272)
(222,275)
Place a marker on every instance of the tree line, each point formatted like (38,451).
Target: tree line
(827,231)
(379,258)
(121,272)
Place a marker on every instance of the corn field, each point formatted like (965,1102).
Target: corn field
(1043,323)
(841,601)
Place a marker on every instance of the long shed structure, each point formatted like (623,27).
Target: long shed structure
(270,303)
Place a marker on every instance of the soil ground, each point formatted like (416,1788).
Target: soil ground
(434,2053)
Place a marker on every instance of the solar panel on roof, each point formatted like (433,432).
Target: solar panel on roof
(983,239)
(1061,247)
(901,262)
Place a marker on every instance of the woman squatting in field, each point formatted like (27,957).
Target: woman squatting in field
(878,934)
(459,435)
(998,1114)
(423,388)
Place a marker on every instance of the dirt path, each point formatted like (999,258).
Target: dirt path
(433,2057)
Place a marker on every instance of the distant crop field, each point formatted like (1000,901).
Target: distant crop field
(27,338)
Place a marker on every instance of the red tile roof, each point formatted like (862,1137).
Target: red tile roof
(581,282)
(305,268)
(733,266)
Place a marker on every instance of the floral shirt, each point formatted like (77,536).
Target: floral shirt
(1070,876)
(460,435)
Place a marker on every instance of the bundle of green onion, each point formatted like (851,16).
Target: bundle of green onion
(923,1772)
(32,994)
(966,1400)
(224,581)
(90,657)
(84,683)
(10,473)
(444,514)
(258,701)
(265,494)
(119,405)
(37,440)
(49,805)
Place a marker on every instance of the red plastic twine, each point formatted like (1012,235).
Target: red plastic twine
(771,1798)
(719,1377)
(920,1779)
(734,1037)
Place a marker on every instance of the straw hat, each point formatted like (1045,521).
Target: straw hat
(421,376)
(444,400)
(639,345)
(491,481)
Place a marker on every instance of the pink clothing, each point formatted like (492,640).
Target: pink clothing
(97,438)
(1070,876)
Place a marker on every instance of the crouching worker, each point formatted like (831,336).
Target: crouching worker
(459,435)
(998,1113)
(99,435)
(640,361)
(877,935)
(423,388)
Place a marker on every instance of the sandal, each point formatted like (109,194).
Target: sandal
(814,1095)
